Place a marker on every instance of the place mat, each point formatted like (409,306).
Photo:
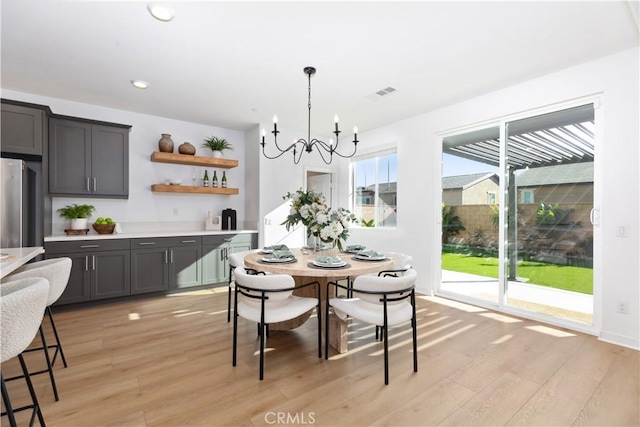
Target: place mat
(260,261)
(369,260)
(312,265)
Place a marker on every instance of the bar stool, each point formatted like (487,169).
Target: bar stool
(56,271)
(22,305)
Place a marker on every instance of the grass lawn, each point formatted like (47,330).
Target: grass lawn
(577,279)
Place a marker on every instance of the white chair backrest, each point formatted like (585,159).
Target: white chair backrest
(400,261)
(55,270)
(266,282)
(382,284)
(22,304)
(237,258)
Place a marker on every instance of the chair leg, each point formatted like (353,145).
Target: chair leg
(34,398)
(414,324)
(386,354)
(319,311)
(229,305)
(235,333)
(49,366)
(58,343)
(326,330)
(7,403)
(262,353)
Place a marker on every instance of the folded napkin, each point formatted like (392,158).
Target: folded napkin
(328,259)
(283,254)
(355,248)
(370,254)
(277,248)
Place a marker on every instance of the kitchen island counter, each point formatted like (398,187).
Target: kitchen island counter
(145,235)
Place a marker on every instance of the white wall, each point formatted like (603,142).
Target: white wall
(145,209)
(419,162)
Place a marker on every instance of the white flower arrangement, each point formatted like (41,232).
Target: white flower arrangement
(310,209)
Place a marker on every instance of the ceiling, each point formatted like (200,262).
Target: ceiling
(235,64)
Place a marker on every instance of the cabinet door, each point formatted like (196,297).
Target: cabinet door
(109,161)
(110,274)
(185,266)
(149,270)
(69,157)
(78,289)
(214,266)
(22,129)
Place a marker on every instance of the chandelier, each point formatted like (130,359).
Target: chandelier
(301,145)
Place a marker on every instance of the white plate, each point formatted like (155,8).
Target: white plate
(366,258)
(267,251)
(279,260)
(334,265)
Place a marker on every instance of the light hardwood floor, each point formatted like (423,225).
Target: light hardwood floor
(167,361)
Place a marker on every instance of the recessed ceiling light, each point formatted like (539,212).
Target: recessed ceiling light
(161,11)
(140,84)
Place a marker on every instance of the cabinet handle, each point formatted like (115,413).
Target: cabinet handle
(188,241)
(86,263)
(222,255)
(93,262)
(228,240)
(88,184)
(95,184)
(146,243)
(89,246)
(171,256)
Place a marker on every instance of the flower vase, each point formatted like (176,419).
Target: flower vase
(165,144)
(314,243)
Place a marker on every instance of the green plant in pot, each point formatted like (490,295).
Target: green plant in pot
(77,214)
(217,145)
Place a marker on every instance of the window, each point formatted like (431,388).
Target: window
(491,198)
(527,196)
(374,188)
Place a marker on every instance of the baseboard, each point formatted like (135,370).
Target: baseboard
(622,340)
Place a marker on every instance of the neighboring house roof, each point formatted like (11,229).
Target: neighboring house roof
(466,181)
(383,188)
(552,175)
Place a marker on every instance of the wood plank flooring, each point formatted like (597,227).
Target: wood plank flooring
(166,361)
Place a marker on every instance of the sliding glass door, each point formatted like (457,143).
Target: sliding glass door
(516,216)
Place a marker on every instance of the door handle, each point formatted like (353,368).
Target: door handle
(88,184)
(594,216)
(146,243)
(166,257)
(188,241)
(89,246)
(86,263)
(171,256)
(93,262)
(95,184)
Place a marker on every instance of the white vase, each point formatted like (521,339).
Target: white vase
(79,224)
(216,154)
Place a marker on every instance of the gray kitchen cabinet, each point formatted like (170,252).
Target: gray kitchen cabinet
(216,251)
(88,158)
(24,128)
(160,264)
(100,269)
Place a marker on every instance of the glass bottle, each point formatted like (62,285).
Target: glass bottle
(215,180)
(224,179)
(205,180)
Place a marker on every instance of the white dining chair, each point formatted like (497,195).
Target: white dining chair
(267,299)
(22,305)
(236,259)
(56,271)
(382,301)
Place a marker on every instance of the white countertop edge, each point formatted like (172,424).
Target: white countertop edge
(144,235)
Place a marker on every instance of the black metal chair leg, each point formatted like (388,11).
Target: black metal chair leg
(34,398)
(235,330)
(326,330)
(229,305)
(49,366)
(7,403)
(386,355)
(58,343)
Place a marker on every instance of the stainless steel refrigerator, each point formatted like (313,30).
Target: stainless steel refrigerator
(21,209)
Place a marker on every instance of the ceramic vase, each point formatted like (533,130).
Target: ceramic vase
(187,148)
(79,223)
(216,154)
(165,144)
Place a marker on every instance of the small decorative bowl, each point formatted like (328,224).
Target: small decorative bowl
(104,228)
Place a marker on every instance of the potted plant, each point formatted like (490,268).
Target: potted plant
(78,215)
(217,145)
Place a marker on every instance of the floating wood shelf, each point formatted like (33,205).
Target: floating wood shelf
(162,188)
(185,159)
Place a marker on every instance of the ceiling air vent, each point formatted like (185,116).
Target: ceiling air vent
(382,93)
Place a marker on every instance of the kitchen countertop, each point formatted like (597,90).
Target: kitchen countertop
(143,235)
(16,257)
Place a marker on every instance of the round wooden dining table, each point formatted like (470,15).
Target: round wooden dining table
(303,271)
